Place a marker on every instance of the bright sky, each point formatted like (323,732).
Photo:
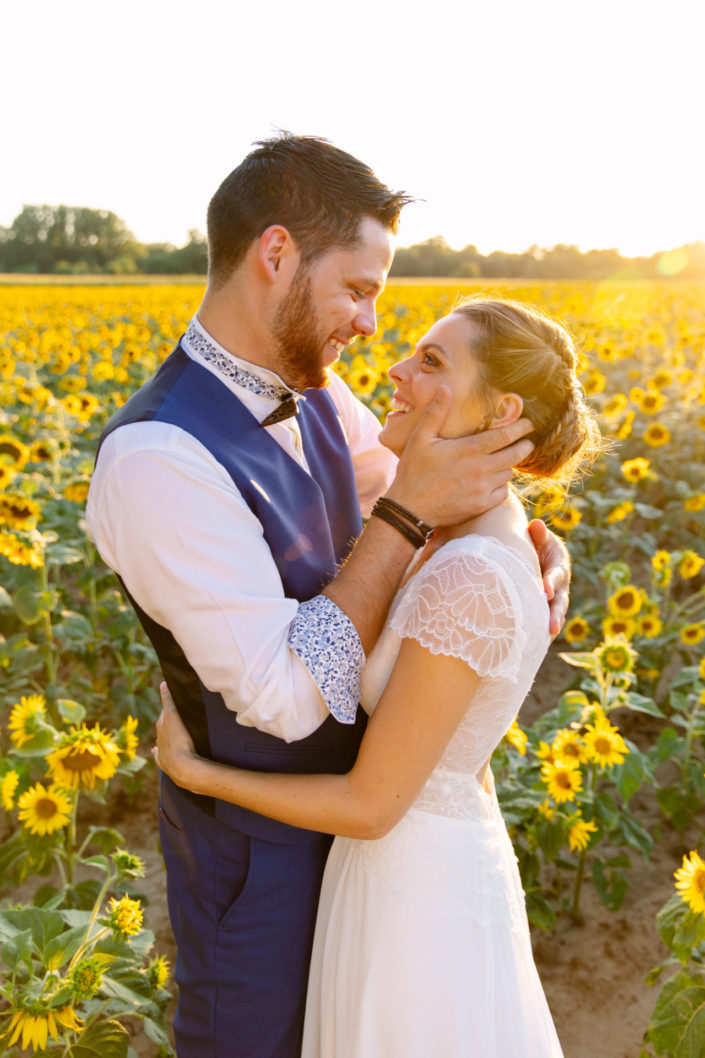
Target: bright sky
(517,122)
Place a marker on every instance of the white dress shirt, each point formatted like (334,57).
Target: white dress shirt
(168,518)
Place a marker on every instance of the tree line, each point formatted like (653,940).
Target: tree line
(77,240)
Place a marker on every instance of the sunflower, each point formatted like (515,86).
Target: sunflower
(44,811)
(551,499)
(701,669)
(564,779)
(615,406)
(42,451)
(568,747)
(19,553)
(660,560)
(76,491)
(618,626)
(8,785)
(626,602)
(620,512)
(363,377)
(158,972)
(626,428)
(35,1028)
(636,469)
(695,503)
(616,655)
(579,834)
(126,740)
(83,755)
(604,744)
(657,435)
(19,512)
(7,475)
(567,518)
(13,452)
(546,809)
(125,916)
(649,626)
(85,978)
(545,753)
(691,635)
(651,401)
(690,565)
(517,738)
(593,382)
(576,630)
(28,717)
(690,882)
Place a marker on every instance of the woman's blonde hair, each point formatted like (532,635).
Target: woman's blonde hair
(521,350)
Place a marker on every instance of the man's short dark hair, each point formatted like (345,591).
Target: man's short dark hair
(315,190)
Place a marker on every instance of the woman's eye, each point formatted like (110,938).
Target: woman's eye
(429,358)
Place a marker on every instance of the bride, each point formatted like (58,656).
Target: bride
(422,943)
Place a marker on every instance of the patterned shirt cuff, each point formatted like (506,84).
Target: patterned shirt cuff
(327,642)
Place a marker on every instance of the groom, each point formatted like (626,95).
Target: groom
(227,497)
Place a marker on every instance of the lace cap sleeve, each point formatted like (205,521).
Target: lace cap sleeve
(463,603)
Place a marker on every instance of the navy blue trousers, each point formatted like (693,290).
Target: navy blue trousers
(243,912)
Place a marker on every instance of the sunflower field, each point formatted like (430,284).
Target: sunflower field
(80,682)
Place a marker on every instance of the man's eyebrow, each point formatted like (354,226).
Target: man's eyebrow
(373,286)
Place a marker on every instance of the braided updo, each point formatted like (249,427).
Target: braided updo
(520,350)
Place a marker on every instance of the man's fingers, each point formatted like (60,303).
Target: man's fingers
(501,437)
(167,700)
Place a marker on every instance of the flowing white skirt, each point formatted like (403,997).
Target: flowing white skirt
(422,947)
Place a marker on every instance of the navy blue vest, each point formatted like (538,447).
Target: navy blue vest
(310,522)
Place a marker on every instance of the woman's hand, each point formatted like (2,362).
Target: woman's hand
(174,751)
(555,570)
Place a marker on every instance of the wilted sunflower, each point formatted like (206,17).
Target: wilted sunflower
(604,744)
(579,834)
(28,717)
(690,882)
(83,755)
(19,512)
(564,779)
(43,811)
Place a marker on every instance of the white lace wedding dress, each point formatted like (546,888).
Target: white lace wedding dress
(422,945)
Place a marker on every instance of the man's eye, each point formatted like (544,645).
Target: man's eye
(357,295)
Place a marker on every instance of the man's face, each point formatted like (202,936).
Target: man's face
(330,301)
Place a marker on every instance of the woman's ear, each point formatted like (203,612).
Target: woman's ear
(277,253)
(507,410)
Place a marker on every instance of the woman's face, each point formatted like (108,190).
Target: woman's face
(444,355)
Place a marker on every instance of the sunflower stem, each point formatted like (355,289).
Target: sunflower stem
(580,873)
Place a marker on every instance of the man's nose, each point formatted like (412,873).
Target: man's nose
(366,319)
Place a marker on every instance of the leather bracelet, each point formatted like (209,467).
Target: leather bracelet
(391,518)
(423,527)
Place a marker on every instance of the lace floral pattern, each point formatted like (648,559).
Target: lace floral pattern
(328,644)
(227,366)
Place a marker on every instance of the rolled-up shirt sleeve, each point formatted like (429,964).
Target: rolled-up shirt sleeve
(170,521)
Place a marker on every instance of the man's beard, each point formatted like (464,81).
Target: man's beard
(295,331)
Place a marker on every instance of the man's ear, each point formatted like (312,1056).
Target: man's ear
(277,254)
(507,410)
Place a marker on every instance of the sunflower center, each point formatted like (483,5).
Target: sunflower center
(603,746)
(45,808)
(699,882)
(83,759)
(563,780)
